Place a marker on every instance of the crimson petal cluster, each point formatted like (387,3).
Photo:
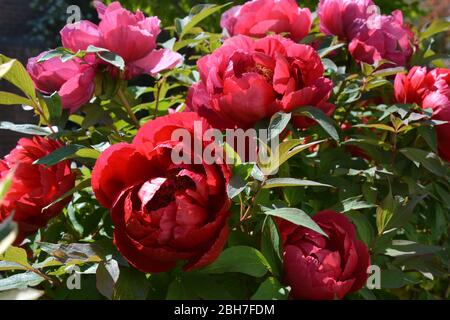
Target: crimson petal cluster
(258,18)
(372,37)
(430,90)
(163,212)
(34,186)
(247,80)
(324,268)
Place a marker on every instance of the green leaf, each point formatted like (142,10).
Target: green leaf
(296,216)
(402,248)
(404,211)
(283,153)
(379,126)
(23,294)
(16,255)
(236,186)
(321,118)
(53,107)
(107,275)
(80,186)
(278,123)
(108,56)
(131,285)
(428,159)
(325,51)
(25,128)
(354,203)
(14,72)
(197,14)
(393,279)
(388,72)
(58,52)
(386,211)
(178,291)
(204,286)
(435,27)
(7,98)
(77,253)
(8,233)
(363,226)
(20,281)
(271,245)
(5,184)
(240,259)
(68,152)
(428,133)
(292,182)
(271,289)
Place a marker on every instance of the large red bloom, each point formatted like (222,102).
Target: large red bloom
(163,212)
(258,18)
(34,187)
(247,80)
(320,268)
(430,90)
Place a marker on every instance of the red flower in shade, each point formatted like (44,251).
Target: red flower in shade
(34,186)
(257,18)
(163,212)
(384,38)
(343,18)
(430,90)
(247,80)
(320,268)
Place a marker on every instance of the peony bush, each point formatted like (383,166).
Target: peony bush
(295,155)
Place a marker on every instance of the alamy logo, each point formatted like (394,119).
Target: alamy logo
(74,13)
(205,146)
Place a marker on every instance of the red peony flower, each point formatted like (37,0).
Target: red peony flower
(384,38)
(247,80)
(73,79)
(164,212)
(343,18)
(430,90)
(34,187)
(320,268)
(130,35)
(258,18)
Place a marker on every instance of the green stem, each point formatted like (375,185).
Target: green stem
(125,102)
(38,108)
(159,84)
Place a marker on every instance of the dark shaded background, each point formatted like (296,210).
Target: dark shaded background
(28,27)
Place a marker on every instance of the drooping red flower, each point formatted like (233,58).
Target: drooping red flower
(73,79)
(258,18)
(430,90)
(34,186)
(164,211)
(246,80)
(320,268)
